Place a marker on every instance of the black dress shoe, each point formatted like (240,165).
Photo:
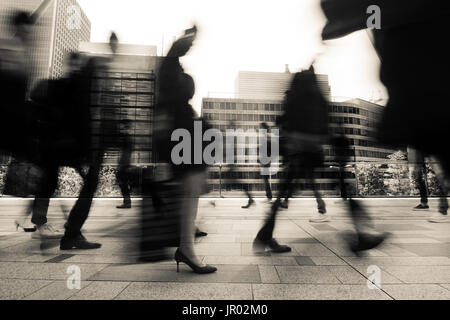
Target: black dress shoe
(199,233)
(124,206)
(366,242)
(78,242)
(276,247)
(284,204)
(249,204)
(260,246)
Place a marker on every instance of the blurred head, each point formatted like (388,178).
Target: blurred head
(113,42)
(22,24)
(264,125)
(73,62)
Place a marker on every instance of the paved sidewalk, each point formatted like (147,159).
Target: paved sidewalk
(414,263)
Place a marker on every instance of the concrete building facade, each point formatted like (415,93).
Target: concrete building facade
(270,85)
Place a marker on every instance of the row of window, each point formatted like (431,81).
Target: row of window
(242,106)
(353,131)
(240,117)
(115,113)
(122,85)
(123,75)
(224,127)
(351,120)
(353,110)
(119,99)
(115,128)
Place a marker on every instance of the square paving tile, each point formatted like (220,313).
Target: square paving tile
(304,261)
(427,250)
(44,271)
(186,291)
(306,274)
(268,274)
(420,274)
(417,291)
(167,273)
(13,289)
(323,227)
(57,290)
(100,290)
(312,250)
(315,292)
(399,227)
(328,261)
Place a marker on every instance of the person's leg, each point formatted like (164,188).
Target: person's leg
(249,196)
(124,185)
(442,178)
(321,207)
(418,177)
(342,186)
(265,234)
(42,198)
(267,187)
(190,206)
(192,187)
(80,211)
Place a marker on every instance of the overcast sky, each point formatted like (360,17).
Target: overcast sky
(242,35)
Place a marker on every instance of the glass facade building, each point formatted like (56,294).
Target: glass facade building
(356,118)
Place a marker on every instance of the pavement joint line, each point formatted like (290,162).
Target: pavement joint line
(37,289)
(380,288)
(129,283)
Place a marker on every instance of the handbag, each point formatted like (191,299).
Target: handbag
(161,208)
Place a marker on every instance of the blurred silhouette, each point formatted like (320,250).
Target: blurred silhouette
(72,237)
(416,161)
(124,174)
(173,111)
(63,133)
(266,177)
(366,237)
(14,80)
(411,38)
(233,172)
(305,125)
(18,121)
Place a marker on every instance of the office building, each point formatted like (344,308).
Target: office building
(270,85)
(123,90)
(355,118)
(59,30)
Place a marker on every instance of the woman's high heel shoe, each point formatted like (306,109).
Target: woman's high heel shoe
(180,257)
(30,228)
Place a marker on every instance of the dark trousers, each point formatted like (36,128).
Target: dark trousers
(80,210)
(123,178)
(295,167)
(43,195)
(419,179)
(267,187)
